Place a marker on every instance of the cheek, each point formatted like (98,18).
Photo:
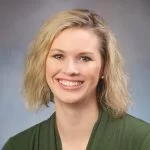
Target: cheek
(93,73)
(50,66)
(97,73)
(95,69)
(52,69)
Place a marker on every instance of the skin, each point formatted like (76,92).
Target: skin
(73,69)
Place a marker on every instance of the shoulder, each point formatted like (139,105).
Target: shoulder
(137,131)
(132,125)
(133,131)
(28,136)
(129,123)
(135,124)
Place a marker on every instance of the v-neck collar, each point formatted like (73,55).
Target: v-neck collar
(95,136)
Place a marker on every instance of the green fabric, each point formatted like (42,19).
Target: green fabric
(127,133)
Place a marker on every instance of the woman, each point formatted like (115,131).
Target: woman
(75,62)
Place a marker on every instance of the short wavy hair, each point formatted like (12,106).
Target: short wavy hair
(112,91)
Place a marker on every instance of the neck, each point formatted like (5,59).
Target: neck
(75,122)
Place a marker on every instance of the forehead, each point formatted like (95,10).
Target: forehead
(77,39)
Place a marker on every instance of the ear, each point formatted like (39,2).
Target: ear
(102,77)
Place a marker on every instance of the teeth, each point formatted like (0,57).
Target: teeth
(70,83)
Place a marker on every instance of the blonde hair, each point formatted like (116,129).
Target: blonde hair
(112,91)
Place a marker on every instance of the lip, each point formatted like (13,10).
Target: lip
(70,79)
(65,87)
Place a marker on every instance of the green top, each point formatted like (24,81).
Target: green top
(109,133)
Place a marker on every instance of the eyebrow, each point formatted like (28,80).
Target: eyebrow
(63,51)
(56,49)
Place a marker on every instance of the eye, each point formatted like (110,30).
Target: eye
(58,56)
(85,58)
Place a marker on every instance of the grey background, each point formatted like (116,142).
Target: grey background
(20,20)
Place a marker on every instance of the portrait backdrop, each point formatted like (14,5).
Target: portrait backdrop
(21,19)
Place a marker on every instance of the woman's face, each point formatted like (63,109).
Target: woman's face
(74,66)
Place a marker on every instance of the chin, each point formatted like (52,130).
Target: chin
(70,100)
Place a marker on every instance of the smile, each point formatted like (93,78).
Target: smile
(70,84)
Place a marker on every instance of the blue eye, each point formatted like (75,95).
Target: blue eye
(85,58)
(58,56)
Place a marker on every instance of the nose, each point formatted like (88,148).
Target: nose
(71,67)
